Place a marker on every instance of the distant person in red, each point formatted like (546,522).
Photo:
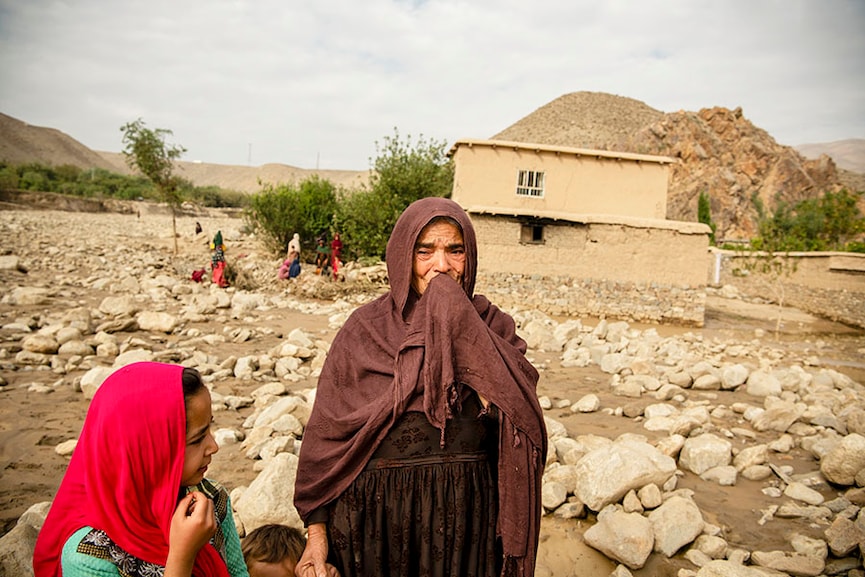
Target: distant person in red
(335,254)
(217,260)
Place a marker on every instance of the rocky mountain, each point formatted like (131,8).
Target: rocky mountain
(720,152)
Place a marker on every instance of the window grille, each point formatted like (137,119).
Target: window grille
(530,183)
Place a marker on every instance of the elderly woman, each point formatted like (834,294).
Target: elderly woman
(424,451)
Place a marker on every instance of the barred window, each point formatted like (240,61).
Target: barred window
(530,183)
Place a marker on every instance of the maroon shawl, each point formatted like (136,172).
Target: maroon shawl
(399,347)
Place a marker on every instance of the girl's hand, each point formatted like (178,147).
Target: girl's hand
(192,526)
(313,562)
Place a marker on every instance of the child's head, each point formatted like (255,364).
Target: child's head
(273,550)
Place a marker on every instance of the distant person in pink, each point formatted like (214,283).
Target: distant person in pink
(335,254)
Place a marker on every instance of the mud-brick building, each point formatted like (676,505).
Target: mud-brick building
(581,232)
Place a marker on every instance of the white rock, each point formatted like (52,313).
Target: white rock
(843,462)
(676,523)
(623,537)
(552,495)
(762,384)
(270,497)
(750,456)
(650,496)
(119,306)
(705,451)
(792,563)
(724,475)
(802,492)
(155,321)
(66,448)
(40,343)
(605,475)
(93,379)
(733,376)
(588,404)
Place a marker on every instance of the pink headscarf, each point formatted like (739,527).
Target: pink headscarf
(124,476)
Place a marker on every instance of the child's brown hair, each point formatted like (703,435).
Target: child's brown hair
(273,543)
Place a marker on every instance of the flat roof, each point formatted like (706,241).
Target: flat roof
(608,154)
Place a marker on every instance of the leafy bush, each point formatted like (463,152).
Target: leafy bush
(34,180)
(306,209)
(830,222)
(216,197)
(8,178)
(101,183)
(365,219)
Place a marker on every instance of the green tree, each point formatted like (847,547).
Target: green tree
(146,150)
(843,221)
(769,255)
(704,214)
(402,172)
(278,212)
(408,172)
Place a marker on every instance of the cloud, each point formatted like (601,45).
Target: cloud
(312,83)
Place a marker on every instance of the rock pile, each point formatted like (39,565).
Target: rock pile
(712,413)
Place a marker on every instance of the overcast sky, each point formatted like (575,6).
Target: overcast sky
(316,83)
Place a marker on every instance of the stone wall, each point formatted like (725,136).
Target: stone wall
(566,296)
(637,270)
(827,284)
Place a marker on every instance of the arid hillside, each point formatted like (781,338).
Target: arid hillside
(848,154)
(21,143)
(720,151)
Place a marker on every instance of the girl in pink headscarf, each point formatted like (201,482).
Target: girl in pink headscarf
(134,500)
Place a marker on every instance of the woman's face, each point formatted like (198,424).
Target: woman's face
(200,444)
(439,250)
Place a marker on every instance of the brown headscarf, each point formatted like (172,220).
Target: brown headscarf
(399,347)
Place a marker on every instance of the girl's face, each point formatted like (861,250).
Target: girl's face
(200,444)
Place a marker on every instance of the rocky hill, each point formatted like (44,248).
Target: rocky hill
(720,151)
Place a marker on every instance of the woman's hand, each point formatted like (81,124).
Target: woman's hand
(313,562)
(192,526)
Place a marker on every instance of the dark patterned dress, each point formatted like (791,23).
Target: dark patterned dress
(419,509)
